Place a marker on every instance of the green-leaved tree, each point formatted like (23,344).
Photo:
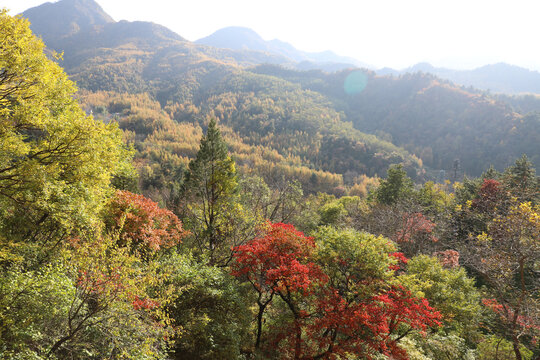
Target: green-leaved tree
(213,213)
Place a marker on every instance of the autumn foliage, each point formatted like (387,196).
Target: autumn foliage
(323,321)
(142,221)
(415,226)
(277,260)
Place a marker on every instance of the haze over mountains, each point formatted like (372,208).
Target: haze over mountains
(500,78)
(241,38)
(304,124)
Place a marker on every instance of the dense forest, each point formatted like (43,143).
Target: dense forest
(190,203)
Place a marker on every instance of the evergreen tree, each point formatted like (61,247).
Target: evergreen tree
(521,179)
(210,192)
(396,186)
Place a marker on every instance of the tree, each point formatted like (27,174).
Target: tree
(67,290)
(94,300)
(210,311)
(142,224)
(506,257)
(448,289)
(56,163)
(396,186)
(522,181)
(331,301)
(272,265)
(210,198)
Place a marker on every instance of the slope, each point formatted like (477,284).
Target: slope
(182,82)
(432,118)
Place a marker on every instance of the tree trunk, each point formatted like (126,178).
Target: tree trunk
(516,348)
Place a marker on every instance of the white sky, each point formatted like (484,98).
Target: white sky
(394,33)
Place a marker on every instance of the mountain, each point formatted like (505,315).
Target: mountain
(432,118)
(241,38)
(500,78)
(162,89)
(55,21)
(279,121)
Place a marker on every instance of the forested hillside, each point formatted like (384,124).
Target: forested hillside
(184,205)
(425,118)
(431,118)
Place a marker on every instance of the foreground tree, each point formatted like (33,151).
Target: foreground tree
(331,301)
(68,289)
(506,258)
(56,163)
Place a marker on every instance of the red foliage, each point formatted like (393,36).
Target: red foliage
(508,316)
(415,225)
(277,261)
(98,282)
(365,327)
(143,222)
(323,323)
(448,258)
(146,304)
(488,195)
(401,260)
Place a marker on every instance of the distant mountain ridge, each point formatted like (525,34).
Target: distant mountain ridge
(500,77)
(242,38)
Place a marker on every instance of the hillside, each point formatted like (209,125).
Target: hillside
(432,118)
(316,131)
(186,83)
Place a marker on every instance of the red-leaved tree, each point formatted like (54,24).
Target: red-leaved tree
(321,317)
(278,263)
(142,222)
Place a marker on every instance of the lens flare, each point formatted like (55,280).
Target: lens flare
(355,82)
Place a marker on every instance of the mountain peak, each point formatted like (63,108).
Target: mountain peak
(66,17)
(235,38)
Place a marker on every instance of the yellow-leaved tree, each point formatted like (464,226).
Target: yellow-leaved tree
(69,288)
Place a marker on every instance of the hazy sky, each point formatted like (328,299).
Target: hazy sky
(394,33)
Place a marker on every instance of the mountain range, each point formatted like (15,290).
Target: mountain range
(279,121)
(500,78)
(82,14)
(241,38)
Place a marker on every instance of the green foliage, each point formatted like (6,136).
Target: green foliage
(33,305)
(213,212)
(449,290)
(95,300)
(443,347)
(67,290)
(522,181)
(493,347)
(433,199)
(210,311)
(396,186)
(352,258)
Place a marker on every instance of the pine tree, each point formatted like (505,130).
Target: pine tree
(210,192)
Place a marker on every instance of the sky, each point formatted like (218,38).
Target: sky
(459,34)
